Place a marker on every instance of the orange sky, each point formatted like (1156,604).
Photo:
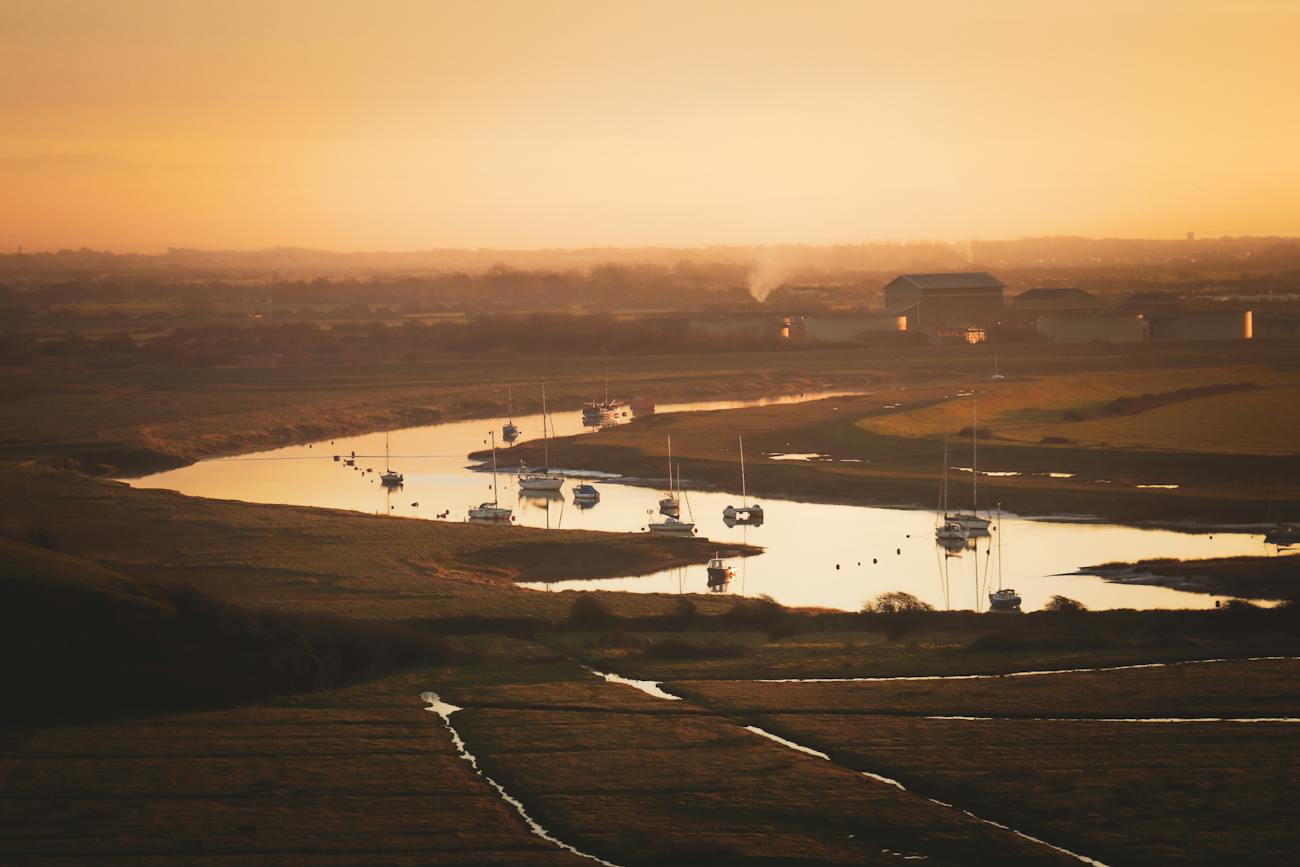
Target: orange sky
(399,125)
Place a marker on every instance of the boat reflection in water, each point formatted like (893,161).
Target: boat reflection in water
(720,574)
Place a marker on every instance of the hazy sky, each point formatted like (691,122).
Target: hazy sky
(399,125)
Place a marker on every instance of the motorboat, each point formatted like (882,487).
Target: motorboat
(746,514)
(1004,600)
(951,532)
(543,479)
(719,573)
(509,431)
(586,494)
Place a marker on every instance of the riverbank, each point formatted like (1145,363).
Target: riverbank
(828,451)
(321,560)
(1265,578)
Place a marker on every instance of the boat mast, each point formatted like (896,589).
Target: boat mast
(999,546)
(387,468)
(510,407)
(494,467)
(606,366)
(546,444)
(974,458)
(744,496)
(943,485)
(670,465)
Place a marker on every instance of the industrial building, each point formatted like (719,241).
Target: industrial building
(1201,324)
(1052,298)
(841,329)
(1085,326)
(945,303)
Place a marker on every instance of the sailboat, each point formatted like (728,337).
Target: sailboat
(997,374)
(746,514)
(509,430)
(949,534)
(669,504)
(544,480)
(602,413)
(390,478)
(971,521)
(492,511)
(1002,599)
(673,523)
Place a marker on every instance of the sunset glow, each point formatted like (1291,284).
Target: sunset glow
(141,125)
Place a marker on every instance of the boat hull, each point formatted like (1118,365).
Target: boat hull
(541,483)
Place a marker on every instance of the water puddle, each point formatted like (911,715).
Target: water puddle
(1155,720)
(1160,487)
(797,456)
(809,751)
(444,710)
(1031,673)
(649,687)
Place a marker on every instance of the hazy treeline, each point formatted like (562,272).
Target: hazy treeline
(309,343)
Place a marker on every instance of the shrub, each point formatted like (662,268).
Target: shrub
(589,611)
(1064,604)
(896,602)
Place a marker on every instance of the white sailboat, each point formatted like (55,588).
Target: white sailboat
(492,511)
(746,514)
(673,524)
(669,504)
(949,534)
(390,478)
(545,480)
(972,522)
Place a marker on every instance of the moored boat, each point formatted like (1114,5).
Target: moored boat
(719,573)
(492,511)
(746,514)
(543,479)
(389,478)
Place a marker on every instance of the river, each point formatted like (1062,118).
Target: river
(833,556)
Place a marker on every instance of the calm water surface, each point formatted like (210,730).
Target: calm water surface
(825,555)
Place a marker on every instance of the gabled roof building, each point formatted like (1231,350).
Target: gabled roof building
(945,302)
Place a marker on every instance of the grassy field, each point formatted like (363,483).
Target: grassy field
(320,560)
(363,775)
(1121,792)
(1262,420)
(142,420)
(298,770)
(864,466)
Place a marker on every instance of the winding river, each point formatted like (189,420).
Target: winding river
(833,556)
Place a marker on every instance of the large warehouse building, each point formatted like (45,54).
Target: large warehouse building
(939,303)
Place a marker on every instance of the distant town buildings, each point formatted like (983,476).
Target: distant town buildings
(945,303)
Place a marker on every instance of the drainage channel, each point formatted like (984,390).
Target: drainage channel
(655,689)
(1031,673)
(444,711)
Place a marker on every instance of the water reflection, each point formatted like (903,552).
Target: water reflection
(832,556)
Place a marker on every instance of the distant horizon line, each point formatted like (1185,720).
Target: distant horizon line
(23,249)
